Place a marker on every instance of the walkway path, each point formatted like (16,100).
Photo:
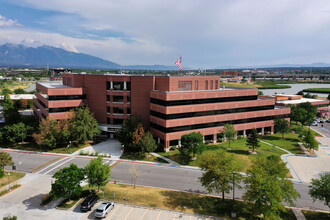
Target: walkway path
(171,162)
(275,146)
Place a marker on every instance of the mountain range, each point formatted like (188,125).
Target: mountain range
(18,55)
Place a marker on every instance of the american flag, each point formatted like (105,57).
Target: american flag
(178,62)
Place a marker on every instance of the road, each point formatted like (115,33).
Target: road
(163,176)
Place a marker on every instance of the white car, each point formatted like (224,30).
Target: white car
(104,209)
(314,124)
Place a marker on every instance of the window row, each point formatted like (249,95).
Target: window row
(208,113)
(116,121)
(215,124)
(202,101)
(66,97)
(118,98)
(118,110)
(119,86)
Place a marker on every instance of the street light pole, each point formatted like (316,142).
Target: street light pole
(233,214)
(9,181)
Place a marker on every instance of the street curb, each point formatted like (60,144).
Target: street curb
(12,190)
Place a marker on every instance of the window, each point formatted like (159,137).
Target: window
(216,84)
(66,97)
(206,85)
(108,98)
(118,110)
(128,86)
(211,85)
(118,121)
(128,111)
(118,86)
(108,109)
(128,98)
(185,85)
(108,85)
(196,85)
(108,120)
(117,98)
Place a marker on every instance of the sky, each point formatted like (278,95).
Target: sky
(206,33)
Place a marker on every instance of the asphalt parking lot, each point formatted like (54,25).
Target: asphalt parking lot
(325,129)
(131,212)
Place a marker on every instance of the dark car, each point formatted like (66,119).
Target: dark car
(89,202)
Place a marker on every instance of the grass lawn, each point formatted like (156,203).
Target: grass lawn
(180,201)
(143,157)
(239,150)
(293,127)
(31,146)
(318,90)
(290,142)
(316,215)
(14,176)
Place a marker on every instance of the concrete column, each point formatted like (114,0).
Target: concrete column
(179,143)
(262,131)
(111,85)
(167,146)
(203,139)
(125,86)
(158,140)
(215,138)
(244,133)
(272,130)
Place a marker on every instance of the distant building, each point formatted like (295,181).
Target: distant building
(15,72)
(229,73)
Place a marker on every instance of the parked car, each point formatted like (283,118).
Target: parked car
(328,120)
(322,121)
(314,124)
(104,209)
(89,202)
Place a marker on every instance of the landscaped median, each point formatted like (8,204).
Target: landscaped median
(9,182)
(318,90)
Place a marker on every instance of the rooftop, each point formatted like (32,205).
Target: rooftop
(298,101)
(54,85)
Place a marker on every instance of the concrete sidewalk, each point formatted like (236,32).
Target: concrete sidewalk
(110,146)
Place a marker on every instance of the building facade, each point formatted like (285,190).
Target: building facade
(169,106)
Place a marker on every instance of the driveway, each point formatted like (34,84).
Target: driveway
(110,146)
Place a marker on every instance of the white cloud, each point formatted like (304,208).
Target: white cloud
(113,49)
(5,22)
(206,33)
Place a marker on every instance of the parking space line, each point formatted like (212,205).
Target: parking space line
(128,213)
(158,215)
(116,208)
(144,214)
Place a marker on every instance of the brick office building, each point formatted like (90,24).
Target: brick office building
(169,106)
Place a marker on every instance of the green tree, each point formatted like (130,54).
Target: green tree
(229,132)
(301,132)
(148,143)
(6,91)
(84,125)
(67,182)
(193,141)
(268,187)
(49,132)
(218,176)
(10,112)
(5,160)
(125,133)
(252,140)
(19,91)
(281,126)
(98,174)
(310,141)
(15,132)
(320,189)
(309,114)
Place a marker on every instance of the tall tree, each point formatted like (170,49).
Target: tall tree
(10,112)
(49,132)
(193,141)
(282,126)
(98,174)
(84,125)
(229,132)
(16,132)
(310,141)
(5,160)
(219,168)
(148,143)
(268,186)
(320,189)
(67,182)
(252,140)
(309,114)
(125,133)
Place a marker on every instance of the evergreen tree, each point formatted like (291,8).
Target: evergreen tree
(252,140)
